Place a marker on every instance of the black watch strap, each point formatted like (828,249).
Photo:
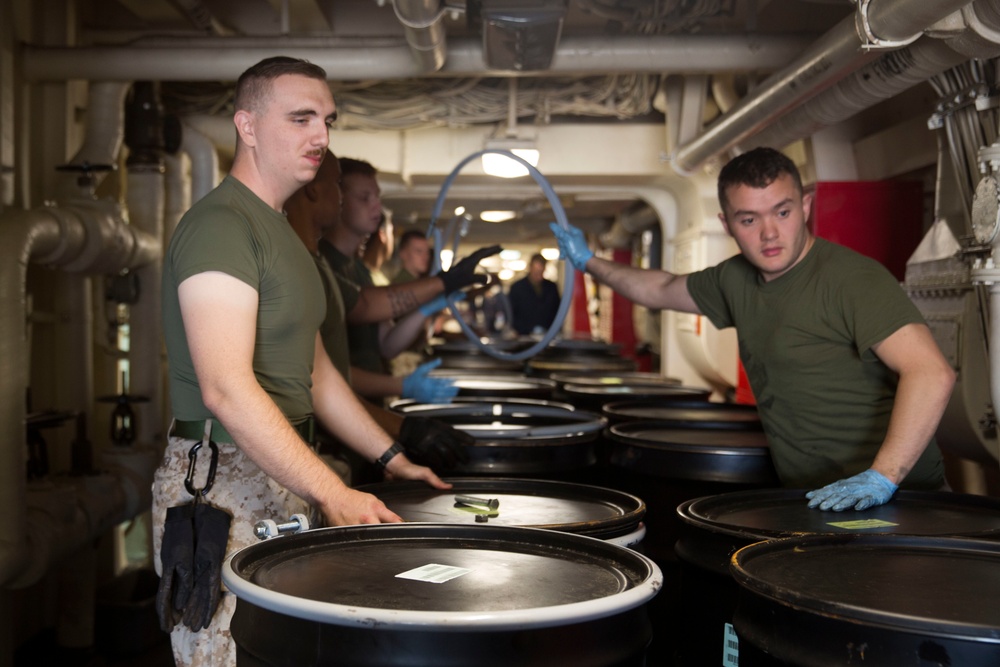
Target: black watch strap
(389,454)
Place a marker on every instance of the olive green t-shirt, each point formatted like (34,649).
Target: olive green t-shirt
(805,341)
(363,339)
(231,230)
(334,328)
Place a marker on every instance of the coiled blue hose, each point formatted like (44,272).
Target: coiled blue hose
(435,234)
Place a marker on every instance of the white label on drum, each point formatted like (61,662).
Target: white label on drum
(730,647)
(434,573)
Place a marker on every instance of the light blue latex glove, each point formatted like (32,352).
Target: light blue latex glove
(437,305)
(572,245)
(420,386)
(867,489)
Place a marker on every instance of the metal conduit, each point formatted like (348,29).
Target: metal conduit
(834,56)
(217,60)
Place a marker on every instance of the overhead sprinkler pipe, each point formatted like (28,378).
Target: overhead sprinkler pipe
(438,241)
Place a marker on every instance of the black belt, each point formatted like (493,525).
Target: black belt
(195,430)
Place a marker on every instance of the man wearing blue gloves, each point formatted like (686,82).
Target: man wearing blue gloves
(372,335)
(848,379)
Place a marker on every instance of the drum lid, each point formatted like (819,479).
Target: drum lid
(447,577)
(509,419)
(498,383)
(711,415)
(770,513)
(934,585)
(564,506)
(603,379)
(663,392)
(662,436)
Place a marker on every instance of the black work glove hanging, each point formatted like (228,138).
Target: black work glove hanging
(177,559)
(211,534)
(464,273)
(434,443)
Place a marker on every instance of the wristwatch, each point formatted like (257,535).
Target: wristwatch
(383,460)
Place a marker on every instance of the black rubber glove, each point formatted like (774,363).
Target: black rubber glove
(177,558)
(211,533)
(464,273)
(434,443)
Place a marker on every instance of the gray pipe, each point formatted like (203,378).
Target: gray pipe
(834,56)
(887,77)
(60,237)
(424,28)
(217,60)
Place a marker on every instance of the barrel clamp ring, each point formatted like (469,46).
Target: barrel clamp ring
(869,40)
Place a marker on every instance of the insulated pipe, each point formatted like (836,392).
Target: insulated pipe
(890,75)
(627,225)
(835,55)
(207,59)
(105,133)
(61,237)
(204,163)
(424,28)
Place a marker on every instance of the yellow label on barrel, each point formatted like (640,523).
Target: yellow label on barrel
(862,524)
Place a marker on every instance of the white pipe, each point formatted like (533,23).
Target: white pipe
(209,59)
(105,130)
(890,75)
(204,160)
(27,236)
(834,56)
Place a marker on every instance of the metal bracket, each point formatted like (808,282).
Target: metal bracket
(871,41)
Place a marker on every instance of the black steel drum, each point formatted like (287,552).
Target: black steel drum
(463,354)
(665,466)
(440,595)
(601,378)
(547,366)
(594,397)
(873,600)
(714,527)
(498,385)
(685,414)
(518,437)
(583,509)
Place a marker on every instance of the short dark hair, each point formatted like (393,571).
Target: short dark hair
(409,235)
(537,257)
(758,169)
(254,85)
(349,165)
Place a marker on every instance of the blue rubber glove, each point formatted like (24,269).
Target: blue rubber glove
(437,305)
(420,386)
(864,490)
(572,245)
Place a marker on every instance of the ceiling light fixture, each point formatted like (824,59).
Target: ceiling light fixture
(497,216)
(497,164)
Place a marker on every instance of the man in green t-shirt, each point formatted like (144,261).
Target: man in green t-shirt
(242,307)
(849,381)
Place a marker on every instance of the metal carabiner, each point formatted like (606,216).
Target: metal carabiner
(213,463)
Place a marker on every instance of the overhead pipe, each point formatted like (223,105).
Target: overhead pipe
(208,59)
(627,225)
(850,45)
(423,24)
(890,75)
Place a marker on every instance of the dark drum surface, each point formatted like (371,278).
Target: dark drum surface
(770,513)
(575,508)
(939,586)
(503,568)
(602,379)
(701,413)
(654,436)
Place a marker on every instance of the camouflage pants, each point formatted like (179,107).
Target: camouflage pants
(240,488)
